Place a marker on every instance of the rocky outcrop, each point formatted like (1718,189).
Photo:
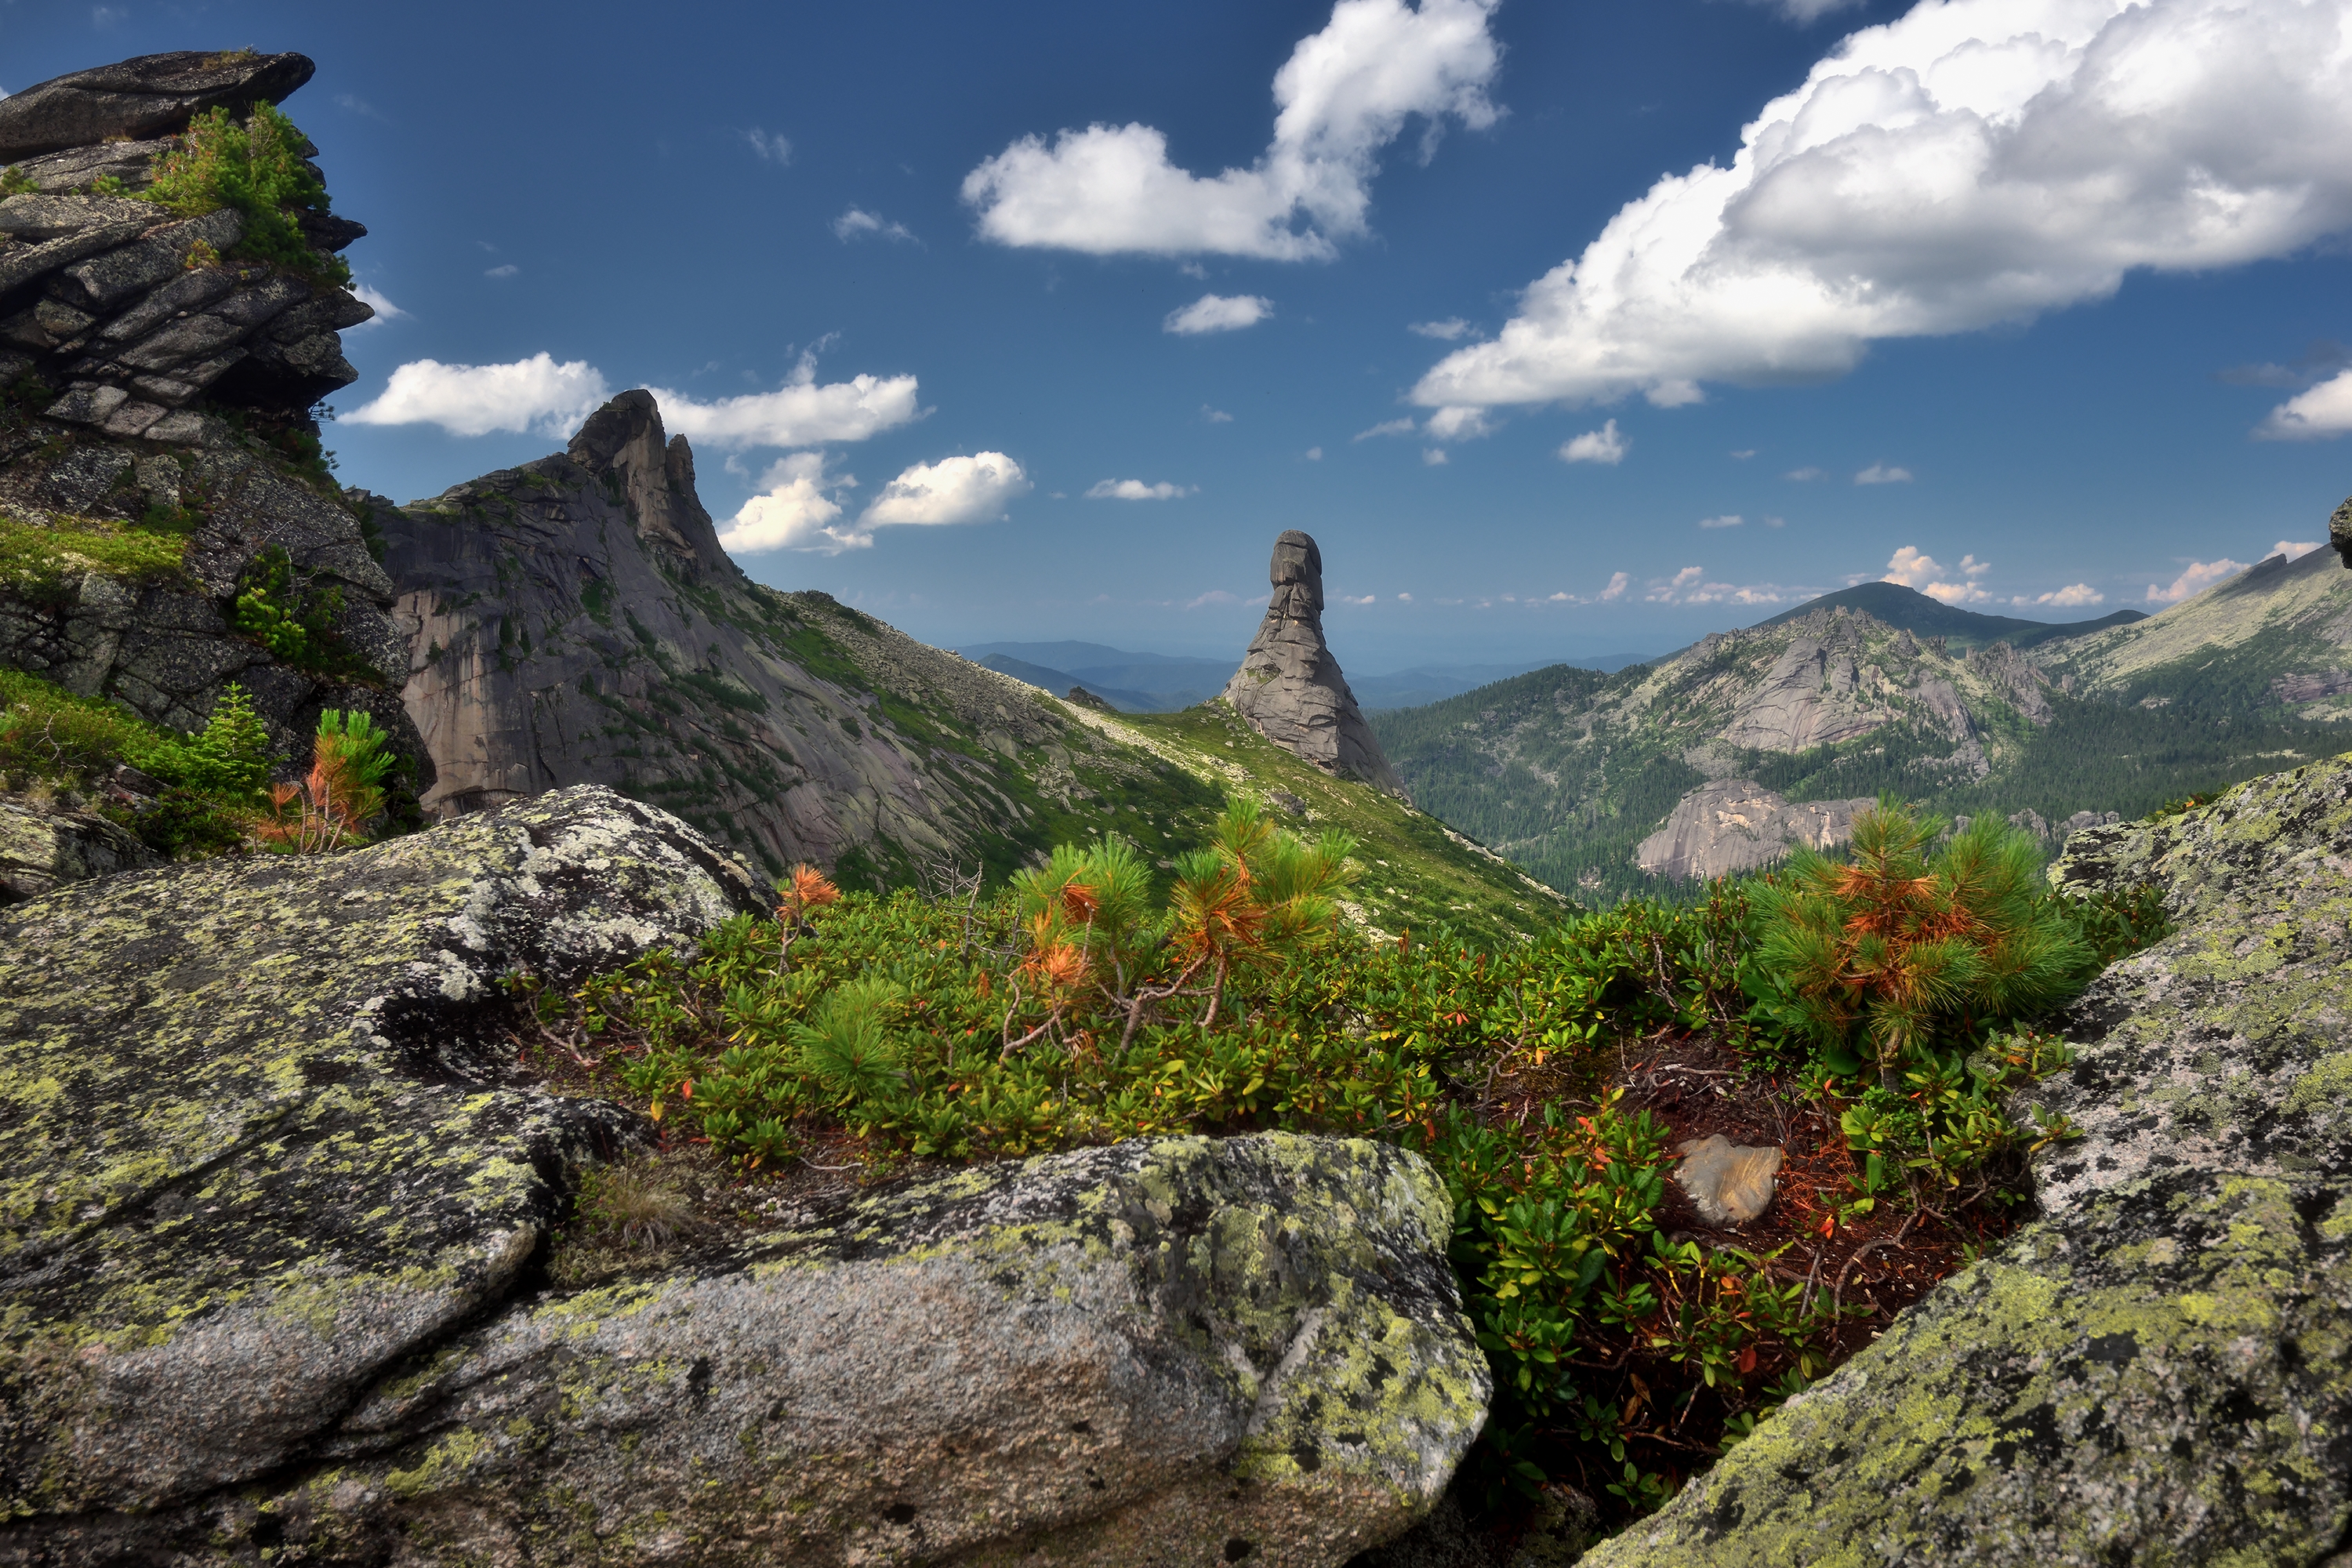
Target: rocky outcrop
(1289,687)
(127,308)
(2339,531)
(122,347)
(1732,826)
(277,1219)
(575,620)
(151,96)
(2158,1368)
(41,849)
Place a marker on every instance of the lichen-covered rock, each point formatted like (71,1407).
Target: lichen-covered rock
(41,849)
(146,96)
(1289,687)
(254,1147)
(2159,1370)
(1178,1351)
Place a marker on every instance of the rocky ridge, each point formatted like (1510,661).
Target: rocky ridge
(1289,687)
(575,620)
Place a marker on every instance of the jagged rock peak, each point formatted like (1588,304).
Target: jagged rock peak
(1289,687)
(2339,531)
(625,440)
(153,94)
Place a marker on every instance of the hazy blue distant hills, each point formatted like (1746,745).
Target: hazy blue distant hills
(1907,609)
(1165,683)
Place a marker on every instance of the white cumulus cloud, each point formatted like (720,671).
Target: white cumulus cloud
(1618,583)
(1434,456)
(953,490)
(2292,550)
(793,512)
(1458,425)
(1883,474)
(1729,520)
(2073,597)
(535,393)
(857,222)
(2199,576)
(1602,446)
(772,149)
(803,412)
(1690,586)
(1136,490)
(2320,414)
(1805,476)
(1345,93)
(1388,428)
(1218,313)
(1973,162)
(1955,585)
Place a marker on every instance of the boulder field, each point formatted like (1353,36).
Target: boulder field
(277,1212)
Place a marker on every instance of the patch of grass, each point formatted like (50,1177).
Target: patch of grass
(38,554)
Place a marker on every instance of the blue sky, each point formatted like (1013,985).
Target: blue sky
(2053,273)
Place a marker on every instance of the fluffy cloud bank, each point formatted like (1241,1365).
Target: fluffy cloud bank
(2073,597)
(1955,585)
(1218,313)
(1601,446)
(540,395)
(1973,162)
(795,512)
(1345,93)
(2199,576)
(803,412)
(2324,412)
(1136,490)
(535,393)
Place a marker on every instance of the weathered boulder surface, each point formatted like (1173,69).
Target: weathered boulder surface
(253,1150)
(1289,687)
(1732,826)
(577,621)
(2159,1369)
(40,849)
(137,99)
(273,1223)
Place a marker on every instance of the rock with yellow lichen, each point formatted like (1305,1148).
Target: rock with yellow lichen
(254,1147)
(2159,1369)
(274,1252)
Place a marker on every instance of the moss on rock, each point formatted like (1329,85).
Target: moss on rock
(2159,1371)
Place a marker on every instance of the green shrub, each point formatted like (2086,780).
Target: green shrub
(212,778)
(297,623)
(255,168)
(1882,956)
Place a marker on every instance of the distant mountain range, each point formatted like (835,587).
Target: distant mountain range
(1596,783)
(1166,683)
(1907,609)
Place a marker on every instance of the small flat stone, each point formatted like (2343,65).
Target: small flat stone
(130,418)
(1730,1184)
(87,405)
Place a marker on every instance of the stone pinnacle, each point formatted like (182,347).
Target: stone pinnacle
(1289,687)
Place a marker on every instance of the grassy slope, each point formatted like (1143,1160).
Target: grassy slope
(1417,871)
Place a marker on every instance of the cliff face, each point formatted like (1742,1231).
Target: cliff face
(1289,687)
(575,621)
(156,450)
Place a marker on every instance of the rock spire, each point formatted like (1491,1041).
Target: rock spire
(1289,687)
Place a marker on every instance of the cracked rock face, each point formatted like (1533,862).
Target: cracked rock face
(1723,828)
(1289,687)
(254,1149)
(272,1210)
(2159,1370)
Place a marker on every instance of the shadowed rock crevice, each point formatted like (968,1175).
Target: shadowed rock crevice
(1289,687)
